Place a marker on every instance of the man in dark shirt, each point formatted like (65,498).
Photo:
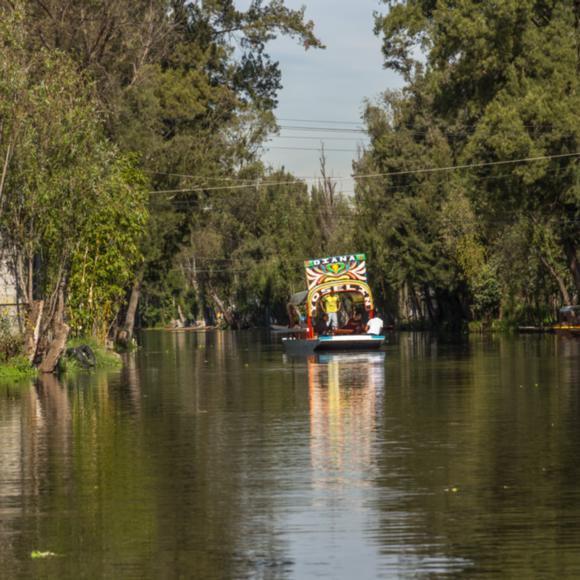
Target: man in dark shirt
(321,326)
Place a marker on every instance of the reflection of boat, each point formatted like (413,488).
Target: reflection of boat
(345,277)
(369,358)
(345,397)
(300,346)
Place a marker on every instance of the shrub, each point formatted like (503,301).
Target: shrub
(11,345)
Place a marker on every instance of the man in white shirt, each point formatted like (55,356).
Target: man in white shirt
(375,324)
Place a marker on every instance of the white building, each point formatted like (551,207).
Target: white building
(8,295)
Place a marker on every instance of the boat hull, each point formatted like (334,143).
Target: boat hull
(351,342)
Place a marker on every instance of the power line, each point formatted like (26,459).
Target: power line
(321,138)
(251,181)
(324,129)
(468,165)
(319,149)
(329,122)
(259,183)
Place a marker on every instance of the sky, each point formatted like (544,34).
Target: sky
(326,89)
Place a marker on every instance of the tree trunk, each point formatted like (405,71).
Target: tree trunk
(56,348)
(561,284)
(429,304)
(228,316)
(32,331)
(181,317)
(125,333)
(572,257)
(417,305)
(54,337)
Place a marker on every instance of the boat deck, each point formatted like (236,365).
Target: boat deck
(333,343)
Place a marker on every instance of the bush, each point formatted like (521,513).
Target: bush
(11,345)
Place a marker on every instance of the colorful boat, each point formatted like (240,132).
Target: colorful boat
(346,277)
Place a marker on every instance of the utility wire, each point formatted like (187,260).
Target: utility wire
(259,183)
(323,129)
(467,165)
(321,138)
(329,122)
(312,149)
(252,180)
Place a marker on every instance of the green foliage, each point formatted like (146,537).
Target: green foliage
(247,250)
(72,210)
(11,344)
(108,255)
(163,297)
(189,87)
(105,358)
(16,369)
(485,82)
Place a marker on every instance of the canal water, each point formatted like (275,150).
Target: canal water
(213,456)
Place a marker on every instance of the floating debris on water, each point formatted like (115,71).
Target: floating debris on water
(37,554)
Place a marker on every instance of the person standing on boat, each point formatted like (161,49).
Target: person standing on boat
(331,307)
(375,324)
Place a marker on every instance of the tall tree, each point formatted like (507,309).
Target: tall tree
(60,175)
(188,86)
(504,77)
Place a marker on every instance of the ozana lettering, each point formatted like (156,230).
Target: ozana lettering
(334,260)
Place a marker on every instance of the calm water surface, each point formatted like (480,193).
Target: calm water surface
(213,456)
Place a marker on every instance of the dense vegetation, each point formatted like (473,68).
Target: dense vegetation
(486,82)
(131,185)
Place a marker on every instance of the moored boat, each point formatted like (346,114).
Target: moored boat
(568,321)
(342,282)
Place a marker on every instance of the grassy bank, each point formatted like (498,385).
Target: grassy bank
(16,369)
(104,358)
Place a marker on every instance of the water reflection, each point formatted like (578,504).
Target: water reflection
(345,392)
(210,456)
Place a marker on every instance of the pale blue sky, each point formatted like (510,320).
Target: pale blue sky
(328,85)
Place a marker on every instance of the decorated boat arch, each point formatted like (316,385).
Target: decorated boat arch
(341,274)
(346,273)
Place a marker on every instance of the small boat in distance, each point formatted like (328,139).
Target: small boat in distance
(568,321)
(342,281)
(296,319)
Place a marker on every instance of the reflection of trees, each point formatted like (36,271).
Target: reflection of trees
(75,478)
(481,440)
(185,463)
(212,428)
(18,406)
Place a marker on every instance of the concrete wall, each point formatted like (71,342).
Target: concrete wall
(8,295)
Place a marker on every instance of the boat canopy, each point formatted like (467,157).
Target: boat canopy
(298,298)
(569,315)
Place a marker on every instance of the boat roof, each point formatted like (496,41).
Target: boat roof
(298,298)
(344,273)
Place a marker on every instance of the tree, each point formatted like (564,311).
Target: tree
(59,175)
(401,210)
(187,86)
(504,80)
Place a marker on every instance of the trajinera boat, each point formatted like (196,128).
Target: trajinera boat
(342,282)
